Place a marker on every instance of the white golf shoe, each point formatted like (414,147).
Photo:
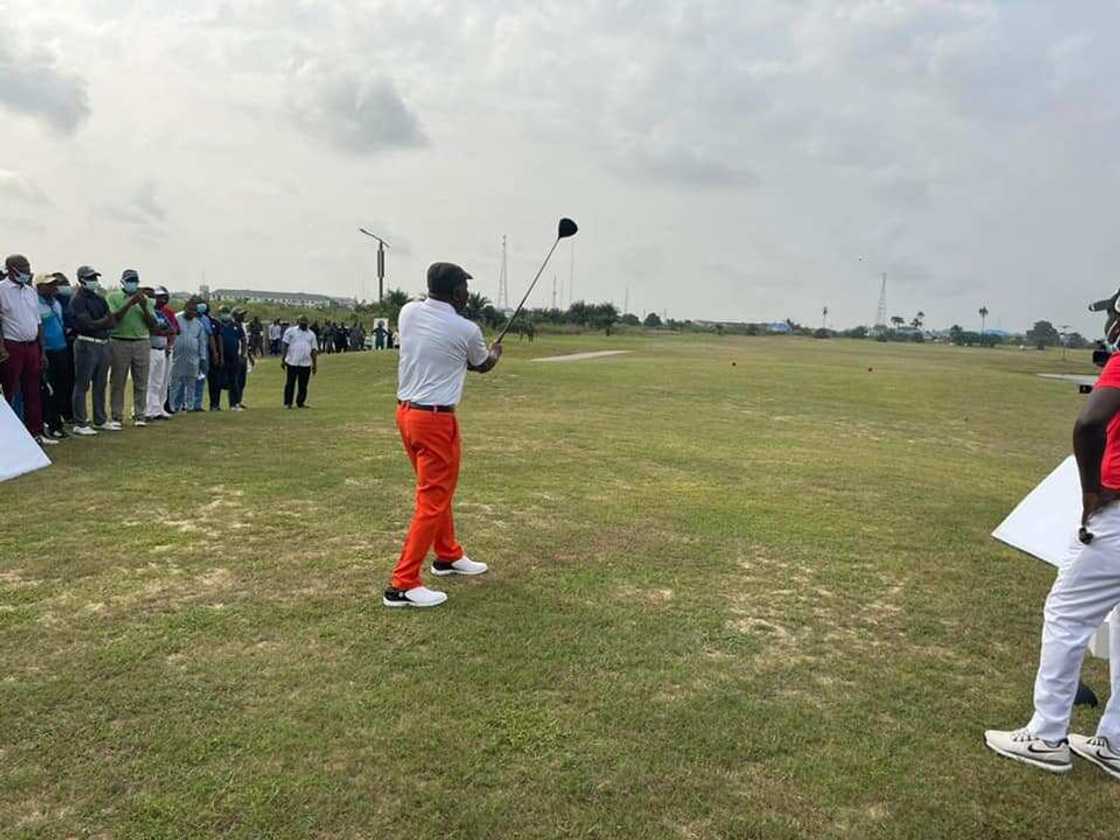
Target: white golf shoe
(418,596)
(1097,750)
(1022,745)
(83,431)
(463,566)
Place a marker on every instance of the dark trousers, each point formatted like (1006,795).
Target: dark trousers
(302,375)
(215,381)
(20,374)
(58,389)
(242,379)
(231,375)
(91,367)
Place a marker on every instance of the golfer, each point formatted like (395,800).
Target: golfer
(438,346)
(1086,591)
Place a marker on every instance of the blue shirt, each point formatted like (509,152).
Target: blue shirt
(231,341)
(50,313)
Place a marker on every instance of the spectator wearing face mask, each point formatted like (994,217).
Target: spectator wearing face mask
(232,341)
(22,332)
(244,362)
(159,343)
(209,351)
(129,350)
(55,391)
(92,321)
(186,356)
(300,347)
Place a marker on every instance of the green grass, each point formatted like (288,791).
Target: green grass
(738,601)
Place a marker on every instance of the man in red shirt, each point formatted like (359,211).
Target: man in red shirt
(1086,591)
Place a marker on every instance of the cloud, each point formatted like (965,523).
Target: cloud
(357,112)
(142,210)
(17,186)
(32,84)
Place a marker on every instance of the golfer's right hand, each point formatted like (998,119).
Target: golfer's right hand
(496,351)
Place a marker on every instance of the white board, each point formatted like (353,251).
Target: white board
(19,453)
(1044,525)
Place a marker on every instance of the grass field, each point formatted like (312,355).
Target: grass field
(727,600)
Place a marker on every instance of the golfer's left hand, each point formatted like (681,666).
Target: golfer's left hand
(1092,502)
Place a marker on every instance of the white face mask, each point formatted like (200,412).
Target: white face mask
(22,279)
(130,286)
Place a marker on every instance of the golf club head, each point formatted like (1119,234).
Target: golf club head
(567,228)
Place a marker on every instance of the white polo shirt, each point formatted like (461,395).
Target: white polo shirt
(19,311)
(436,345)
(300,344)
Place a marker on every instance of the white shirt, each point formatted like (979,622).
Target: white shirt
(274,332)
(436,344)
(300,344)
(19,311)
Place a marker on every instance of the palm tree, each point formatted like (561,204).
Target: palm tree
(983,318)
(395,300)
(918,320)
(898,321)
(476,302)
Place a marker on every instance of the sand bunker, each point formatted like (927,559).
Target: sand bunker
(579,357)
(1071,377)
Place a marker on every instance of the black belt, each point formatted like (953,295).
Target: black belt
(435,409)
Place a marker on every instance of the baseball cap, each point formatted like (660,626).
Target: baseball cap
(443,277)
(129,274)
(161,290)
(45,280)
(86,272)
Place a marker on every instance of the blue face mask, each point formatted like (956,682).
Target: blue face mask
(130,286)
(202,307)
(65,291)
(22,279)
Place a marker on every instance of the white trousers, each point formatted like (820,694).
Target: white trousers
(1086,591)
(157,382)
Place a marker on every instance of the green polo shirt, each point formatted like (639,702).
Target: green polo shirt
(132,325)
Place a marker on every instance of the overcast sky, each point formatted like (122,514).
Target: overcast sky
(725,159)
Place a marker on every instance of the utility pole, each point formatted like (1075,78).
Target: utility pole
(381,246)
(881,312)
(553,291)
(503,280)
(572,275)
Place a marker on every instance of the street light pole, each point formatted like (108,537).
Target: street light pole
(381,246)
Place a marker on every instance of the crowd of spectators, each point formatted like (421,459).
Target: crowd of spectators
(66,348)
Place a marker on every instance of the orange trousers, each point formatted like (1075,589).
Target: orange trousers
(432,442)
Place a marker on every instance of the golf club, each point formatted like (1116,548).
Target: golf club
(567,228)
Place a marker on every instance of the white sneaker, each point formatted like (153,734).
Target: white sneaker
(43,440)
(418,596)
(84,431)
(463,566)
(140,422)
(109,426)
(237,408)
(1022,745)
(1097,750)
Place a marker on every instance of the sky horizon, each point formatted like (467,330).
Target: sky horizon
(724,161)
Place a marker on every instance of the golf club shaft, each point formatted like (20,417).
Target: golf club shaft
(521,305)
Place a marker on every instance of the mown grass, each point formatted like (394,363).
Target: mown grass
(728,600)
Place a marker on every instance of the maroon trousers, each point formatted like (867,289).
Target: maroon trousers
(21,374)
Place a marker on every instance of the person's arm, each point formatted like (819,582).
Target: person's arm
(1090,434)
(120,313)
(283,354)
(314,360)
(481,359)
(149,319)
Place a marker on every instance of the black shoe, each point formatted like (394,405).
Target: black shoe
(301,405)
(395,598)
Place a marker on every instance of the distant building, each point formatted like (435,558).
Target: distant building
(305,299)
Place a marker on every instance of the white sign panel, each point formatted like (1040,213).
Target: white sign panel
(19,453)
(1044,525)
